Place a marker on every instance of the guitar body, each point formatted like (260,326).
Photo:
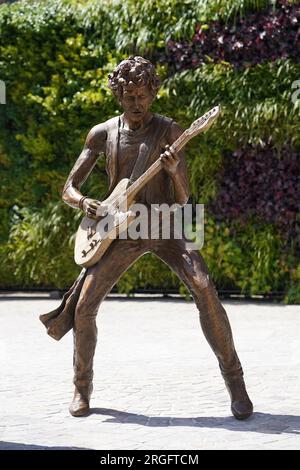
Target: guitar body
(93,237)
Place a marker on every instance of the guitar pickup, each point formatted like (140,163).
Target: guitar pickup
(90,232)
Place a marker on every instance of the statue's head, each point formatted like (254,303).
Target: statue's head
(135,84)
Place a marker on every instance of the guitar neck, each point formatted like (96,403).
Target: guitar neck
(200,125)
(155,167)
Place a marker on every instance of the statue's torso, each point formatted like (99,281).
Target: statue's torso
(159,190)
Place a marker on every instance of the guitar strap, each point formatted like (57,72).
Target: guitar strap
(112,144)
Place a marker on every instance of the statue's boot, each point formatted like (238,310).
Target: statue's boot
(241,405)
(80,405)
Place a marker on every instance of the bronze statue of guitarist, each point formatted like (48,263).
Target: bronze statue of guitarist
(122,140)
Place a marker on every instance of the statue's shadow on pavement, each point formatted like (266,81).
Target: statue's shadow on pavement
(259,422)
(4,445)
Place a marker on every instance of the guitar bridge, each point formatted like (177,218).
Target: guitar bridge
(92,245)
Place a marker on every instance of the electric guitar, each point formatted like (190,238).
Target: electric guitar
(95,236)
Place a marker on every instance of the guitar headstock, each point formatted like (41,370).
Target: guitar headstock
(204,122)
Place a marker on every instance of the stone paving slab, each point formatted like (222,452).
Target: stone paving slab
(157,383)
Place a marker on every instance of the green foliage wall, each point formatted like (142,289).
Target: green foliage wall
(54,58)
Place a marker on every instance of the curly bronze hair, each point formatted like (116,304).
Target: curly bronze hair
(132,72)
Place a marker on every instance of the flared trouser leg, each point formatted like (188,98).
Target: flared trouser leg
(192,270)
(99,281)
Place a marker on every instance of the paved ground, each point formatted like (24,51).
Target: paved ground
(157,384)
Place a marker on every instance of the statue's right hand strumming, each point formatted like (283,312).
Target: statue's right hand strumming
(93,208)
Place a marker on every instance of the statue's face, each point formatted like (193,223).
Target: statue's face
(136,102)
